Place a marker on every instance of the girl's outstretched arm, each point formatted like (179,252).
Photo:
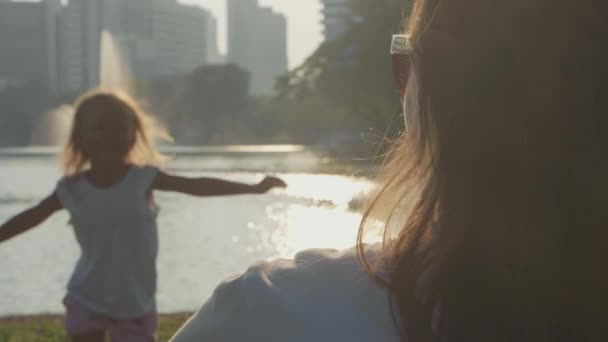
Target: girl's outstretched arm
(212,186)
(30,218)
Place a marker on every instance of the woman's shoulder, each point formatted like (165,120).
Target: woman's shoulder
(318,294)
(320,269)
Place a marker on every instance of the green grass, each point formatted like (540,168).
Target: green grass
(50,328)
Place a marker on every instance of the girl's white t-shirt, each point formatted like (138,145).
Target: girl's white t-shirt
(117,233)
(320,295)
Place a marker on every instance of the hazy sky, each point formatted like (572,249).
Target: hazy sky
(303,24)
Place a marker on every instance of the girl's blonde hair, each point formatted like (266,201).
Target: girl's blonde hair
(146,129)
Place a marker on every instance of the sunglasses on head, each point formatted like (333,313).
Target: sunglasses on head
(400,55)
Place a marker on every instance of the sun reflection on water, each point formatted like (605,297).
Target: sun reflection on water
(327,190)
(310,227)
(313,213)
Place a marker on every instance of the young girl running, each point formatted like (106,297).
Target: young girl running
(110,175)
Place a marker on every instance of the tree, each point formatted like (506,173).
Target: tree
(350,78)
(201,105)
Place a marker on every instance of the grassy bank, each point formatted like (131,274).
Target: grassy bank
(50,328)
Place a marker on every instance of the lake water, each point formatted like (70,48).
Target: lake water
(202,240)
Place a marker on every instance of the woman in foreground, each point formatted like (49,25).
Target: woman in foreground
(505,166)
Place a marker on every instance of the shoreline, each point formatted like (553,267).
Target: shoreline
(50,327)
(57,316)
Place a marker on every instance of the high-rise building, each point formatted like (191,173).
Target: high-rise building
(81,24)
(257,42)
(240,20)
(272,61)
(28,41)
(59,46)
(164,38)
(157,37)
(213,53)
(52,13)
(337,18)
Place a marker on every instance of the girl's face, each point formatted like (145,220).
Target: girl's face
(106,135)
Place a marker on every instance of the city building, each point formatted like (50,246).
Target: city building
(163,38)
(157,38)
(257,42)
(59,46)
(79,39)
(213,53)
(337,18)
(28,42)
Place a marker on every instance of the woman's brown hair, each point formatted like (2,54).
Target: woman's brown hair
(506,238)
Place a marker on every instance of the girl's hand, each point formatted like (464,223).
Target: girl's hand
(270,182)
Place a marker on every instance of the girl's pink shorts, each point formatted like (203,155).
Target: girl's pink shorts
(79,320)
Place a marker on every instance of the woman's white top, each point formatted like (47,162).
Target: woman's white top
(116,229)
(321,295)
